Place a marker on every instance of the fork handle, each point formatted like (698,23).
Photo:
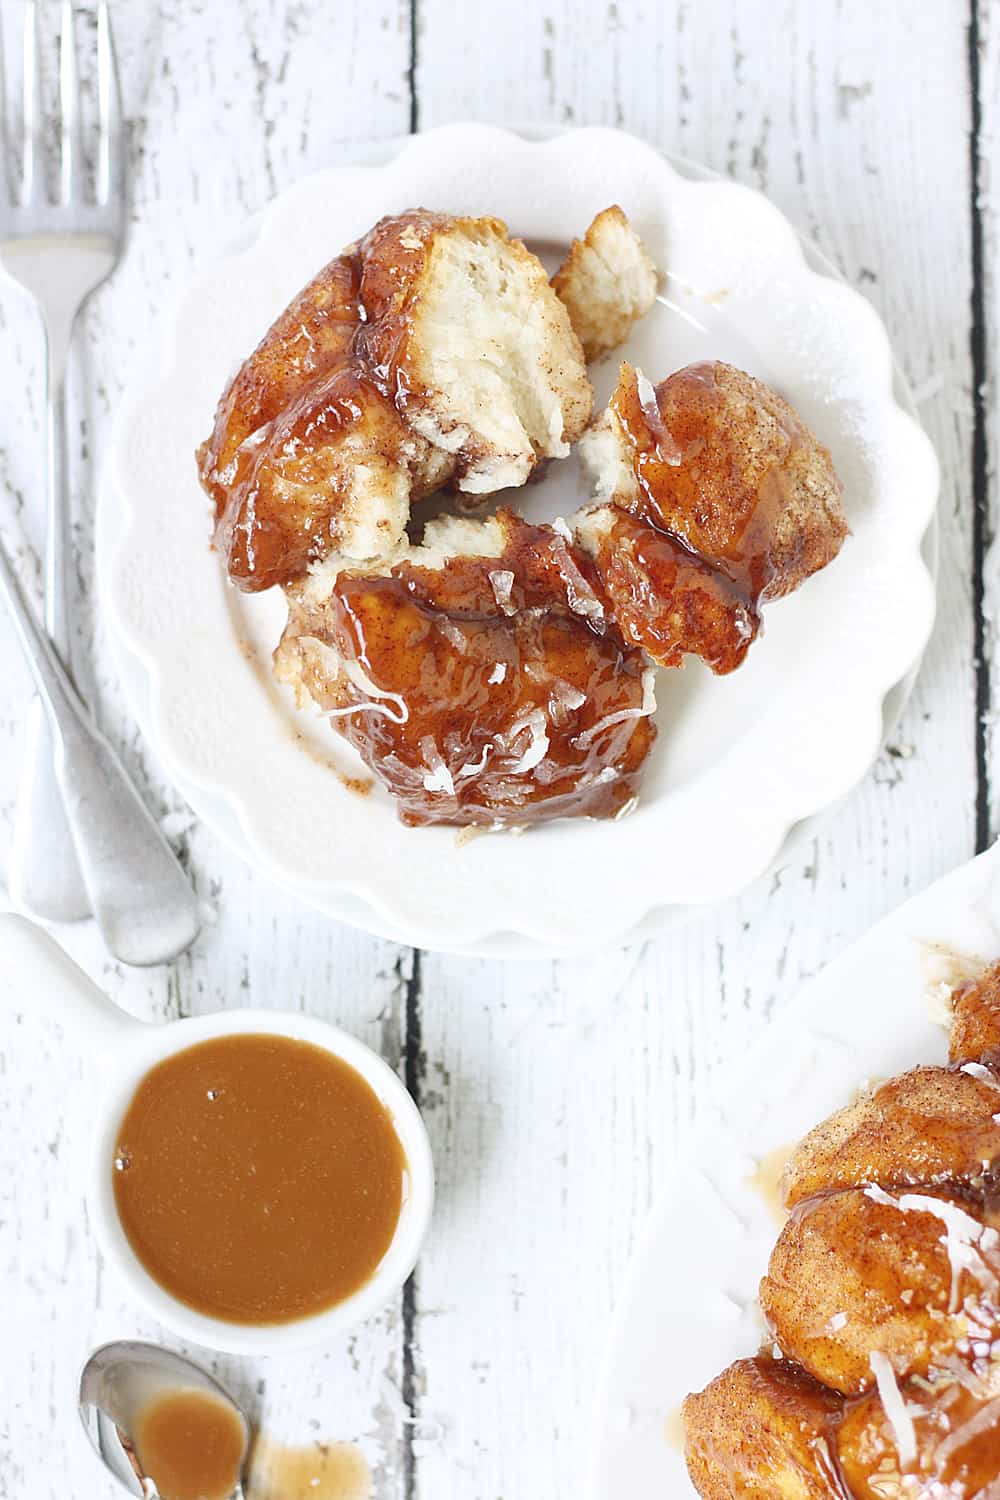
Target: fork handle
(140,896)
(44,874)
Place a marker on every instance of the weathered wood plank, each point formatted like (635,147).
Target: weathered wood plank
(564,1090)
(556,1094)
(227,105)
(985,57)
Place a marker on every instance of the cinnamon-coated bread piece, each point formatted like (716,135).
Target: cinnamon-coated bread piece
(477,675)
(927,1126)
(730,502)
(762,1430)
(864,1272)
(607,282)
(432,352)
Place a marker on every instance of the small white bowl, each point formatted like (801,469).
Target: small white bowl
(125,1049)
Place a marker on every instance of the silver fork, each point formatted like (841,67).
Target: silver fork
(85,842)
(59,251)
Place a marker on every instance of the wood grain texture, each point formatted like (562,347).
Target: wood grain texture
(556,1094)
(226,105)
(984,67)
(811,105)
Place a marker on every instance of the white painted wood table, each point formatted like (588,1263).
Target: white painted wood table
(556,1093)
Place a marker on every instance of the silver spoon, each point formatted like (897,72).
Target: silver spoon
(117,1382)
(141,899)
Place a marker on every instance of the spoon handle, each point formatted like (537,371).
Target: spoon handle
(140,896)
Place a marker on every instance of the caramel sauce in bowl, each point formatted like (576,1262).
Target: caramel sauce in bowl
(318,1114)
(389,1154)
(278,1213)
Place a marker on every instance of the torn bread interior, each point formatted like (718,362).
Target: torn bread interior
(713,498)
(607,282)
(432,352)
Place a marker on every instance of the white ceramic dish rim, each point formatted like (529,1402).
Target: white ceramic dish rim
(212,807)
(479,935)
(124,1049)
(967,896)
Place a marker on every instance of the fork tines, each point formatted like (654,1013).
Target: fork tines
(27,189)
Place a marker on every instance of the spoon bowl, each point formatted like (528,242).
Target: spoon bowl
(118,1381)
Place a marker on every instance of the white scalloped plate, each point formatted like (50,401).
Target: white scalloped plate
(689,1305)
(739,760)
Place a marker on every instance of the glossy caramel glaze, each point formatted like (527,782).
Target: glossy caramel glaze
(883,1297)
(491,690)
(733,502)
(257,1178)
(863,1271)
(275,465)
(930,1125)
(335,424)
(191,1444)
(956,1432)
(975,1027)
(762,1429)
(669,601)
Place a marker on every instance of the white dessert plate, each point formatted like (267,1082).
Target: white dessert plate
(739,762)
(689,1306)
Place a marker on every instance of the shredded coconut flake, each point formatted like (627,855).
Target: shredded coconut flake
(983,1074)
(564,697)
(647,393)
(580,595)
(499,673)
(965,1239)
(358,678)
(537,749)
(473,767)
(668,452)
(438,778)
(943,971)
(984,1420)
(502,582)
(938,998)
(452,633)
(648,706)
(895,1409)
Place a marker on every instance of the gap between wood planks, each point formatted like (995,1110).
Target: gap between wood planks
(414,1065)
(980,456)
(413,1077)
(412,983)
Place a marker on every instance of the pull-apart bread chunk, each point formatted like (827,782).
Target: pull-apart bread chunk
(930,1125)
(931,1441)
(607,282)
(865,1272)
(716,498)
(434,351)
(761,1430)
(476,675)
(975,1023)
(499,673)
(883,1299)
